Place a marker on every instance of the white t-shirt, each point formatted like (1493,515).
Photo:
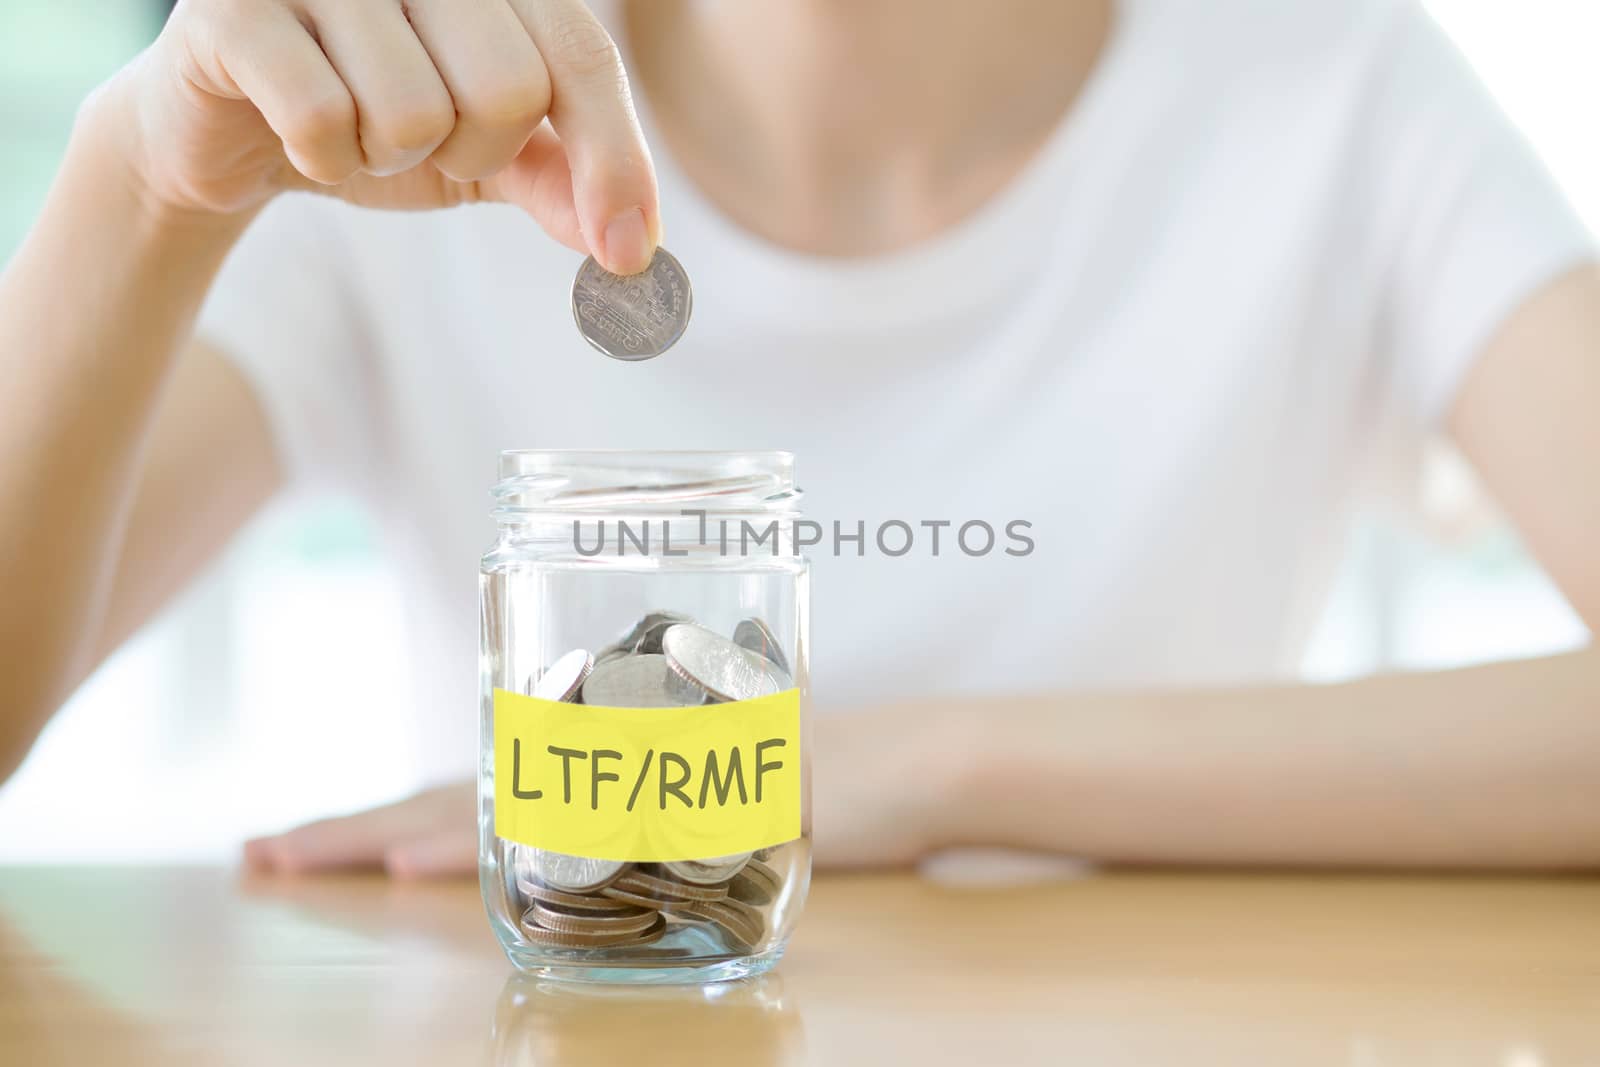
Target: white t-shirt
(1256,259)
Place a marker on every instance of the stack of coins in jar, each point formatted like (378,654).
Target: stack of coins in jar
(665,660)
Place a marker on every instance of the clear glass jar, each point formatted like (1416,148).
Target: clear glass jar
(644,781)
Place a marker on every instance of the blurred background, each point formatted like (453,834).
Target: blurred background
(239,712)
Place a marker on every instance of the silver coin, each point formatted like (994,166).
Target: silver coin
(575,874)
(563,678)
(649,642)
(754,636)
(634,316)
(719,666)
(642,634)
(711,871)
(647,631)
(640,682)
(611,652)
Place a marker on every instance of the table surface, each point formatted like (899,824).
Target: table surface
(137,966)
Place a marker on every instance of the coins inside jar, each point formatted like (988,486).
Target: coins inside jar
(752,635)
(665,659)
(741,921)
(574,874)
(640,681)
(721,668)
(563,678)
(578,936)
(708,872)
(756,884)
(647,900)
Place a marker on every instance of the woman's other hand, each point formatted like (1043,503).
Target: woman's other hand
(431,835)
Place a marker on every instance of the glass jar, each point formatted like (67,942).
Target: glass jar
(644,783)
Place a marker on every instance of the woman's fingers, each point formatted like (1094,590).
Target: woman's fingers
(267,56)
(404,112)
(495,76)
(448,853)
(332,844)
(367,838)
(614,183)
(429,103)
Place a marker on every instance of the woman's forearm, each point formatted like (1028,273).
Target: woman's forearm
(93,309)
(1494,767)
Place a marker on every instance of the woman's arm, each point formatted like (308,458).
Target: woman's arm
(1491,767)
(120,470)
(1494,766)
(1488,767)
(93,309)
(1528,417)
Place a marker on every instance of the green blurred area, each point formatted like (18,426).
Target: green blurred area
(52,54)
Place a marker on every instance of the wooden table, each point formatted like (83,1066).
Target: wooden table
(128,967)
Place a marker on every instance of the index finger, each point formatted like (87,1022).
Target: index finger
(591,108)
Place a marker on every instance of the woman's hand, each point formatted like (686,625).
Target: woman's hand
(431,835)
(880,778)
(422,104)
(886,782)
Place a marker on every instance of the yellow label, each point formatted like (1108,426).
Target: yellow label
(647,784)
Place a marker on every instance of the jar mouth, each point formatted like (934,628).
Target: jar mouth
(621,481)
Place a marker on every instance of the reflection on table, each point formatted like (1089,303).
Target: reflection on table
(173,967)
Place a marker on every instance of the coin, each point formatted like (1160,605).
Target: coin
(628,896)
(570,939)
(653,619)
(575,874)
(710,871)
(563,678)
(634,640)
(719,666)
(633,921)
(754,636)
(655,888)
(741,920)
(571,901)
(649,642)
(636,316)
(756,883)
(640,682)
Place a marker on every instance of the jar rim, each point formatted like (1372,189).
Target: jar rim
(702,453)
(600,481)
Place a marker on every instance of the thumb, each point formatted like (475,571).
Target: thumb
(539,181)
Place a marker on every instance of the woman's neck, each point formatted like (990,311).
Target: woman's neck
(853,127)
